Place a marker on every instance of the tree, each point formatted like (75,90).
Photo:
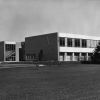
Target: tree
(95,58)
(40,55)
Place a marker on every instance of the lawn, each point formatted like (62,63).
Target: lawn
(54,82)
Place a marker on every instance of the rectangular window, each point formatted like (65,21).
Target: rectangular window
(69,56)
(76,57)
(90,54)
(77,42)
(62,41)
(83,56)
(61,56)
(10,47)
(93,43)
(89,43)
(84,43)
(69,42)
(97,42)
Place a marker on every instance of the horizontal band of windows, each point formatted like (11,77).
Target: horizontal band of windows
(70,42)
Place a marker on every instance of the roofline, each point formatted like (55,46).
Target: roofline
(41,35)
(9,42)
(70,35)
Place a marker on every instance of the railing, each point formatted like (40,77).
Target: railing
(9,53)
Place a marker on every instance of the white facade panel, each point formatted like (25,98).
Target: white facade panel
(9,42)
(70,35)
(73,49)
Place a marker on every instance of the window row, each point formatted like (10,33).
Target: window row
(9,47)
(71,42)
(30,56)
(76,57)
(75,54)
(12,58)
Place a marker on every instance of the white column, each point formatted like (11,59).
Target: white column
(73,43)
(65,56)
(80,56)
(81,43)
(18,45)
(26,58)
(73,56)
(66,42)
(87,56)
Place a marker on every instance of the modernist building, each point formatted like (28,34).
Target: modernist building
(9,51)
(60,47)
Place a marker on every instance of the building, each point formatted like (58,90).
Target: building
(22,52)
(9,51)
(60,47)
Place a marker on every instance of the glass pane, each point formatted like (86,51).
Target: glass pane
(69,42)
(77,42)
(84,43)
(62,41)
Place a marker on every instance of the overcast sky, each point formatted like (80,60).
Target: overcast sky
(20,18)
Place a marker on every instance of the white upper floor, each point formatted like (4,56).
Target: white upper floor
(77,43)
(70,35)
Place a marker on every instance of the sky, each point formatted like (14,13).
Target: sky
(22,18)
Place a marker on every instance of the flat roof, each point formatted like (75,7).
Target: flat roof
(70,35)
(9,42)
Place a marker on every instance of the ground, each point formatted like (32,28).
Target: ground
(53,82)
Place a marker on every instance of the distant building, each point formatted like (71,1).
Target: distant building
(22,52)
(60,47)
(9,51)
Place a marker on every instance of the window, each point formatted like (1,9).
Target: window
(10,47)
(76,57)
(83,54)
(93,43)
(76,54)
(77,42)
(69,42)
(84,43)
(69,56)
(62,41)
(90,54)
(97,43)
(61,56)
(10,52)
(89,43)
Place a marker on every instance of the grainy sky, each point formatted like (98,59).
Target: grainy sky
(20,18)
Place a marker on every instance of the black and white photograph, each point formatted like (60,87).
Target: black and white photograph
(49,49)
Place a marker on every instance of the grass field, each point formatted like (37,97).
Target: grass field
(62,82)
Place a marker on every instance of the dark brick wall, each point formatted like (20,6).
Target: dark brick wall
(47,43)
(2,51)
(22,52)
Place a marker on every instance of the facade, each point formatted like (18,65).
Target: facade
(60,47)
(74,47)
(9,51)
(22,52)
(42,47)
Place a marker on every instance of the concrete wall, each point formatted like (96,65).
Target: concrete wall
(47,43)
(18,45)
(76,49)
(2,51)
(78,36)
